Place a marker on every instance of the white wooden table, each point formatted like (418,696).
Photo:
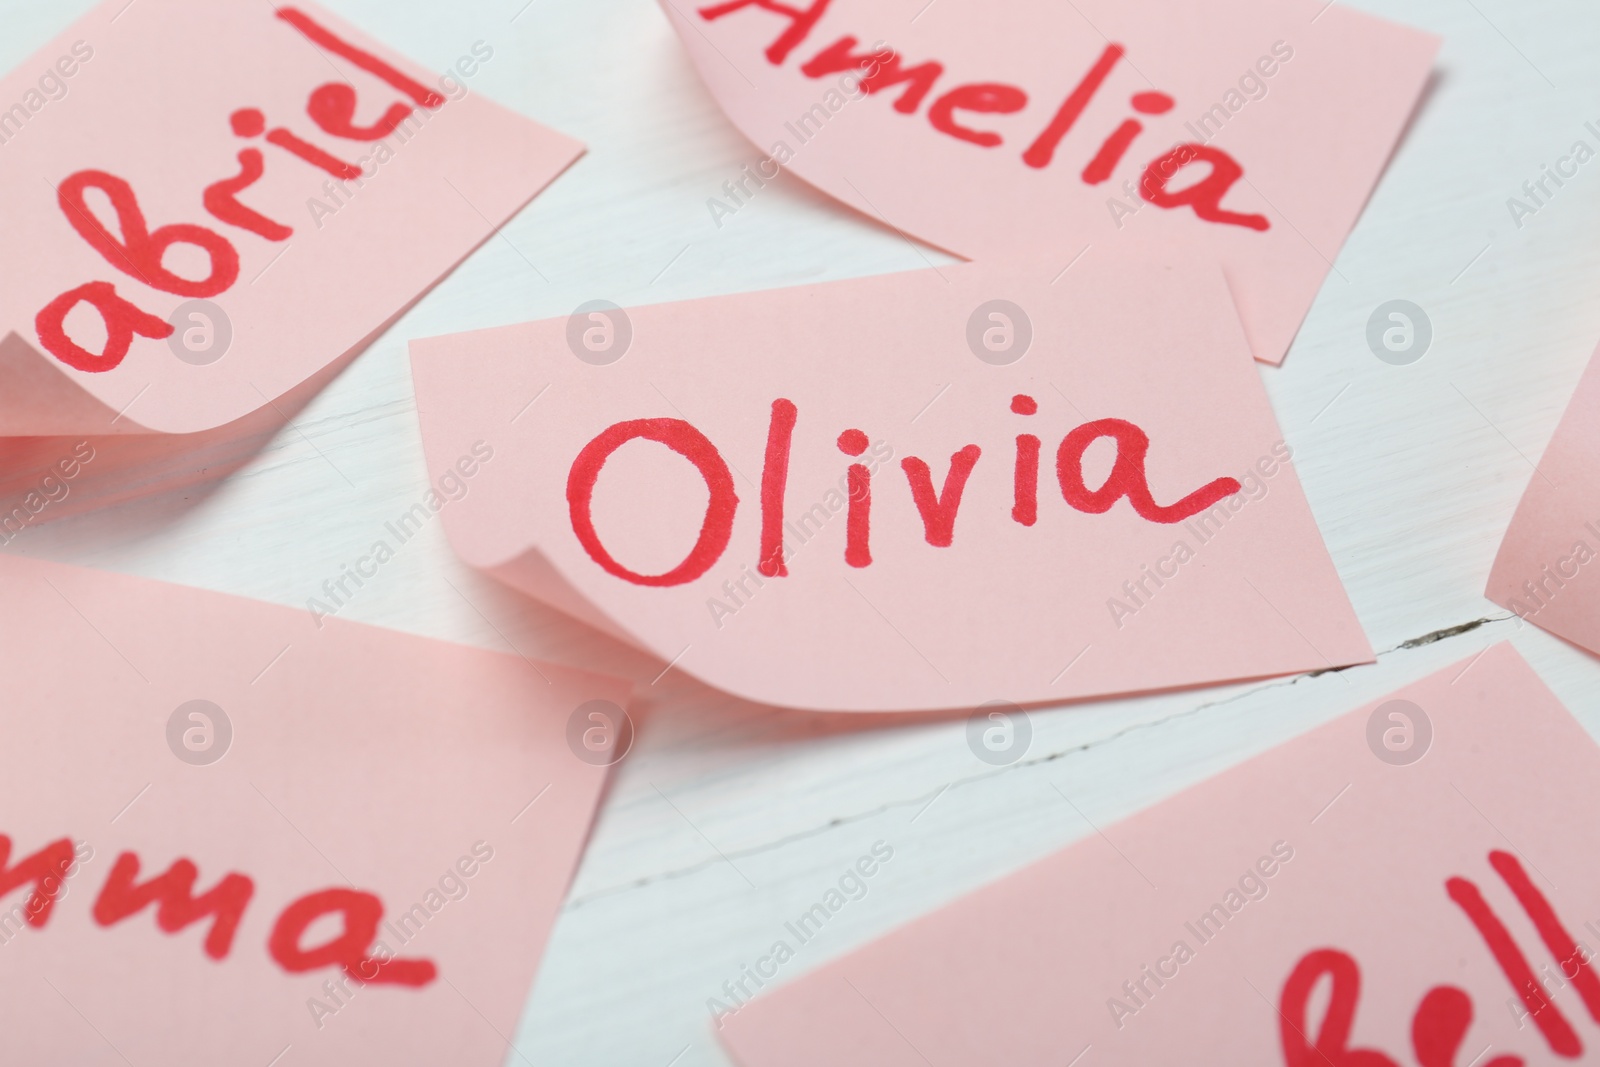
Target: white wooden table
(728,819)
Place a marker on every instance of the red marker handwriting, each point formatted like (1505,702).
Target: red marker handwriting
(176,904)
(1205,195)
(171,894)
(249,122)
(45,870)
(361,913)
(689,443)
(1330,1047)
(222,199)
(1439,1026)
(881,69)
(122,320)
(1025,483)
(774,476)
(137,251)
(939,511)
(367,61)
(858,517)
(938,505)
(1552,1024)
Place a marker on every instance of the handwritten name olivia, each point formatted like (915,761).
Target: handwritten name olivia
(938,507)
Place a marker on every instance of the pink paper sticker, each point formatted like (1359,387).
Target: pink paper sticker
(1396,887)
(1248,132)
(1545,569)
(914,491)
(206,204)
(232,835)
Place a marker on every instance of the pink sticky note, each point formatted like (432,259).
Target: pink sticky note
(215,811)
(1250,132)
(816,497)
(1397,887)
(1544,571)
(207,204)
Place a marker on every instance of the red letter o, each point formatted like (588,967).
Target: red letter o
(689,443)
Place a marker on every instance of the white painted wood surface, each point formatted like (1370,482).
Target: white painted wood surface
(729,819)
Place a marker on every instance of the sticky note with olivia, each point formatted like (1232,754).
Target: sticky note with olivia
(914,491)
